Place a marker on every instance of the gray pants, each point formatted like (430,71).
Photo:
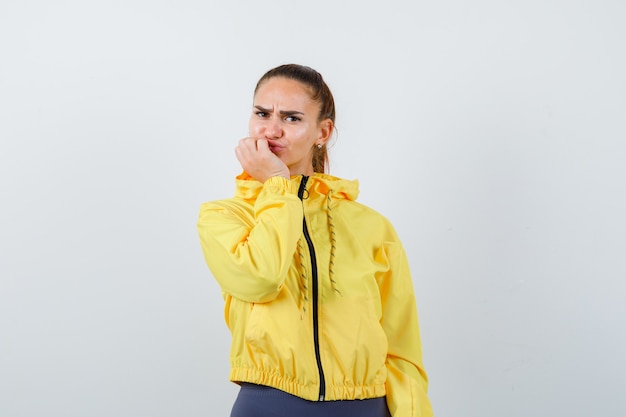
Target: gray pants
(260,401)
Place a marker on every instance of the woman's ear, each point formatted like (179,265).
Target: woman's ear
(326,131)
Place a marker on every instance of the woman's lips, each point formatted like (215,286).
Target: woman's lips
(275,147)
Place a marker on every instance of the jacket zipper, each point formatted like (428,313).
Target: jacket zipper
(315,289)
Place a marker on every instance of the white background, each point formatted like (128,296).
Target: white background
(491,133)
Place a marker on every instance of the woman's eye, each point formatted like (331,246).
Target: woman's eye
(261,114)
(292,118)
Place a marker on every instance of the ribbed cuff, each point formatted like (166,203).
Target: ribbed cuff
(280,185)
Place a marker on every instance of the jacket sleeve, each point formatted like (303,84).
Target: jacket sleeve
(407,382)
(250,257)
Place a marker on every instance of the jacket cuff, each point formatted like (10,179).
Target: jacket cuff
(280,185)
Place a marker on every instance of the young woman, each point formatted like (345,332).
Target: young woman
(318,293)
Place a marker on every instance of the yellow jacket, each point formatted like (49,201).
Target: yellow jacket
(318,293)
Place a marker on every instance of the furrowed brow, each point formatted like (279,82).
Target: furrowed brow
(290,112)
(282,112)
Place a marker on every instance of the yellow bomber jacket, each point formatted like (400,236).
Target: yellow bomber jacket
(318,294)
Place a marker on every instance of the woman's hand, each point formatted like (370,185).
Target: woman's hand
(256,159)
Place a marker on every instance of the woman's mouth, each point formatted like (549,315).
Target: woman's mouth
(275,147)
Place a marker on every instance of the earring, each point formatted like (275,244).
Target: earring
(319,146)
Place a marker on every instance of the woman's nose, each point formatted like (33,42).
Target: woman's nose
(273,129)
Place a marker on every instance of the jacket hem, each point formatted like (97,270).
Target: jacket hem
(307,392)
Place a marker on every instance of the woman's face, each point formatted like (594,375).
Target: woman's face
(284,114)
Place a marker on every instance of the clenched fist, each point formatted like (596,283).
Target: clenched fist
(257,159)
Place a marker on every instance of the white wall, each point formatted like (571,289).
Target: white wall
(492,134)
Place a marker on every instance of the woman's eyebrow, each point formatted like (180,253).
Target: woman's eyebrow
(282,112)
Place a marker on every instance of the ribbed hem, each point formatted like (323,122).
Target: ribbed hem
(310,391)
